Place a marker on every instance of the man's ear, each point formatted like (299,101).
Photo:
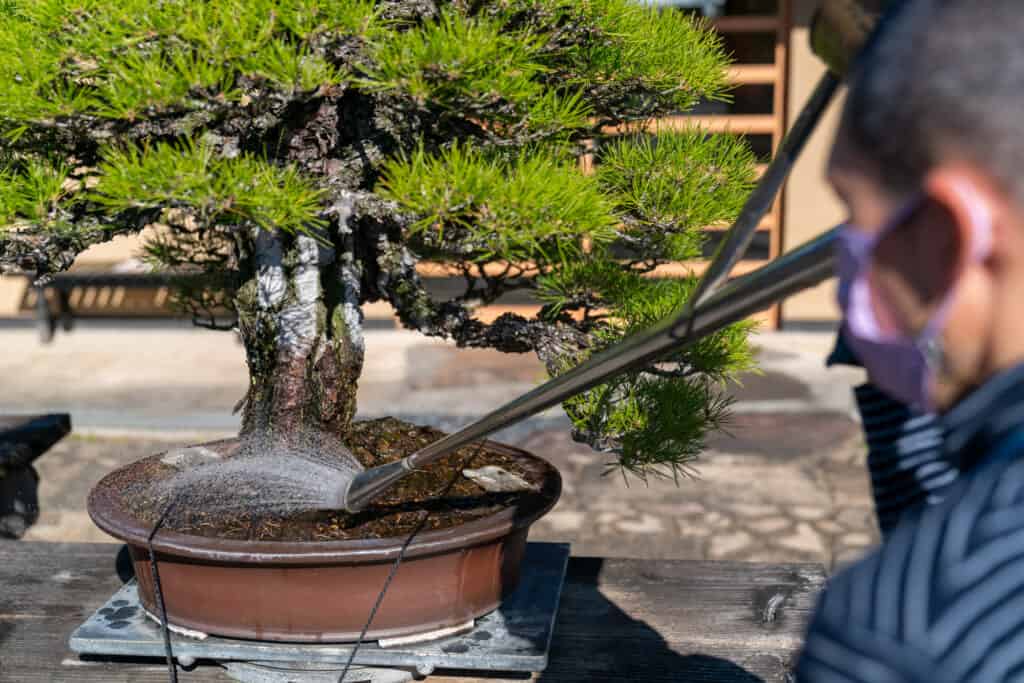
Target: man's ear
(917,262)
(969,201)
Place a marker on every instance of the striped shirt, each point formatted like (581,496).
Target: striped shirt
(942,600)
(905,459)
(906,463)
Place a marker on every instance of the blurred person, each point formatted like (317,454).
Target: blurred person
(928,161)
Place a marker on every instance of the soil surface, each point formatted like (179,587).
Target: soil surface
(438,497)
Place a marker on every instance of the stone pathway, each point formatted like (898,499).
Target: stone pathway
(743,506)
(787,484)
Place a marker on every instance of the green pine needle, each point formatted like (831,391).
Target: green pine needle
(670,53)
(31,192)
(662,60)
(680,180)
(471,205)
(133,58)
(242,189)
(458,62)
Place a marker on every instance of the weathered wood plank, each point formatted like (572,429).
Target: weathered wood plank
(680,621)
(620,620)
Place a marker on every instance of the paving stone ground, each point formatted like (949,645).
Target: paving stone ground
(787,483)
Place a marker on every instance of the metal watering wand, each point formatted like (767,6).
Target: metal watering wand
(840,29)
(794,272)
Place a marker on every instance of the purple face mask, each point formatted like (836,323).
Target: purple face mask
(900,363)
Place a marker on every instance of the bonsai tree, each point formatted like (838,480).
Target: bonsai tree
(296,159)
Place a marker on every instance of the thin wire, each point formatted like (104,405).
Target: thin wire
(398,561)
(172,670)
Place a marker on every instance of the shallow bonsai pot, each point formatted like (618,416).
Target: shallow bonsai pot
(324,591)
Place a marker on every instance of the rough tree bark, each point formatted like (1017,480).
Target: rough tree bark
(300,322)
(299,313)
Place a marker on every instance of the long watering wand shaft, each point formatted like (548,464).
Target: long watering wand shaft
(738,238)
(839,29)
(796,271)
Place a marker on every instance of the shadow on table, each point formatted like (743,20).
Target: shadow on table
(621,648)
(123,565)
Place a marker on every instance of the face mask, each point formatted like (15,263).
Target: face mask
(902,364)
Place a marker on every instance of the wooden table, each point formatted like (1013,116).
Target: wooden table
(620,619)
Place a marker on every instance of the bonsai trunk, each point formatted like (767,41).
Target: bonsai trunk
(301,324)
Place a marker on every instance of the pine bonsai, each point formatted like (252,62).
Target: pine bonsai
(299,158)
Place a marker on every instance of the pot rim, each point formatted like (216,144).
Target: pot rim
(112,518)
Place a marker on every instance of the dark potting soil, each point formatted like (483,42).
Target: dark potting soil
(395,513)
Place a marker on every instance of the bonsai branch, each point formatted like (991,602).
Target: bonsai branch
(43,249)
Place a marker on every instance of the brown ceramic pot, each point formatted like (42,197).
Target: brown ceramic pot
(324,591)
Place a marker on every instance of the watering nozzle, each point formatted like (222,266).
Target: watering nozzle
(357,491)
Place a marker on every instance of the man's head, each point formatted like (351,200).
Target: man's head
(935,120)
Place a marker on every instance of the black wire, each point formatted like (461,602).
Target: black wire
(172,670)
(398,561)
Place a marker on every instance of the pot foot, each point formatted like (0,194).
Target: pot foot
(268,672)
(428,636)
(180,630)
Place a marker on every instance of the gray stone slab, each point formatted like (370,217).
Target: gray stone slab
(516,637)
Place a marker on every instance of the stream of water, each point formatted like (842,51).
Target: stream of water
(267,475)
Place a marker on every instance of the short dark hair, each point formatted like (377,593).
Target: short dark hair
(944,79)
